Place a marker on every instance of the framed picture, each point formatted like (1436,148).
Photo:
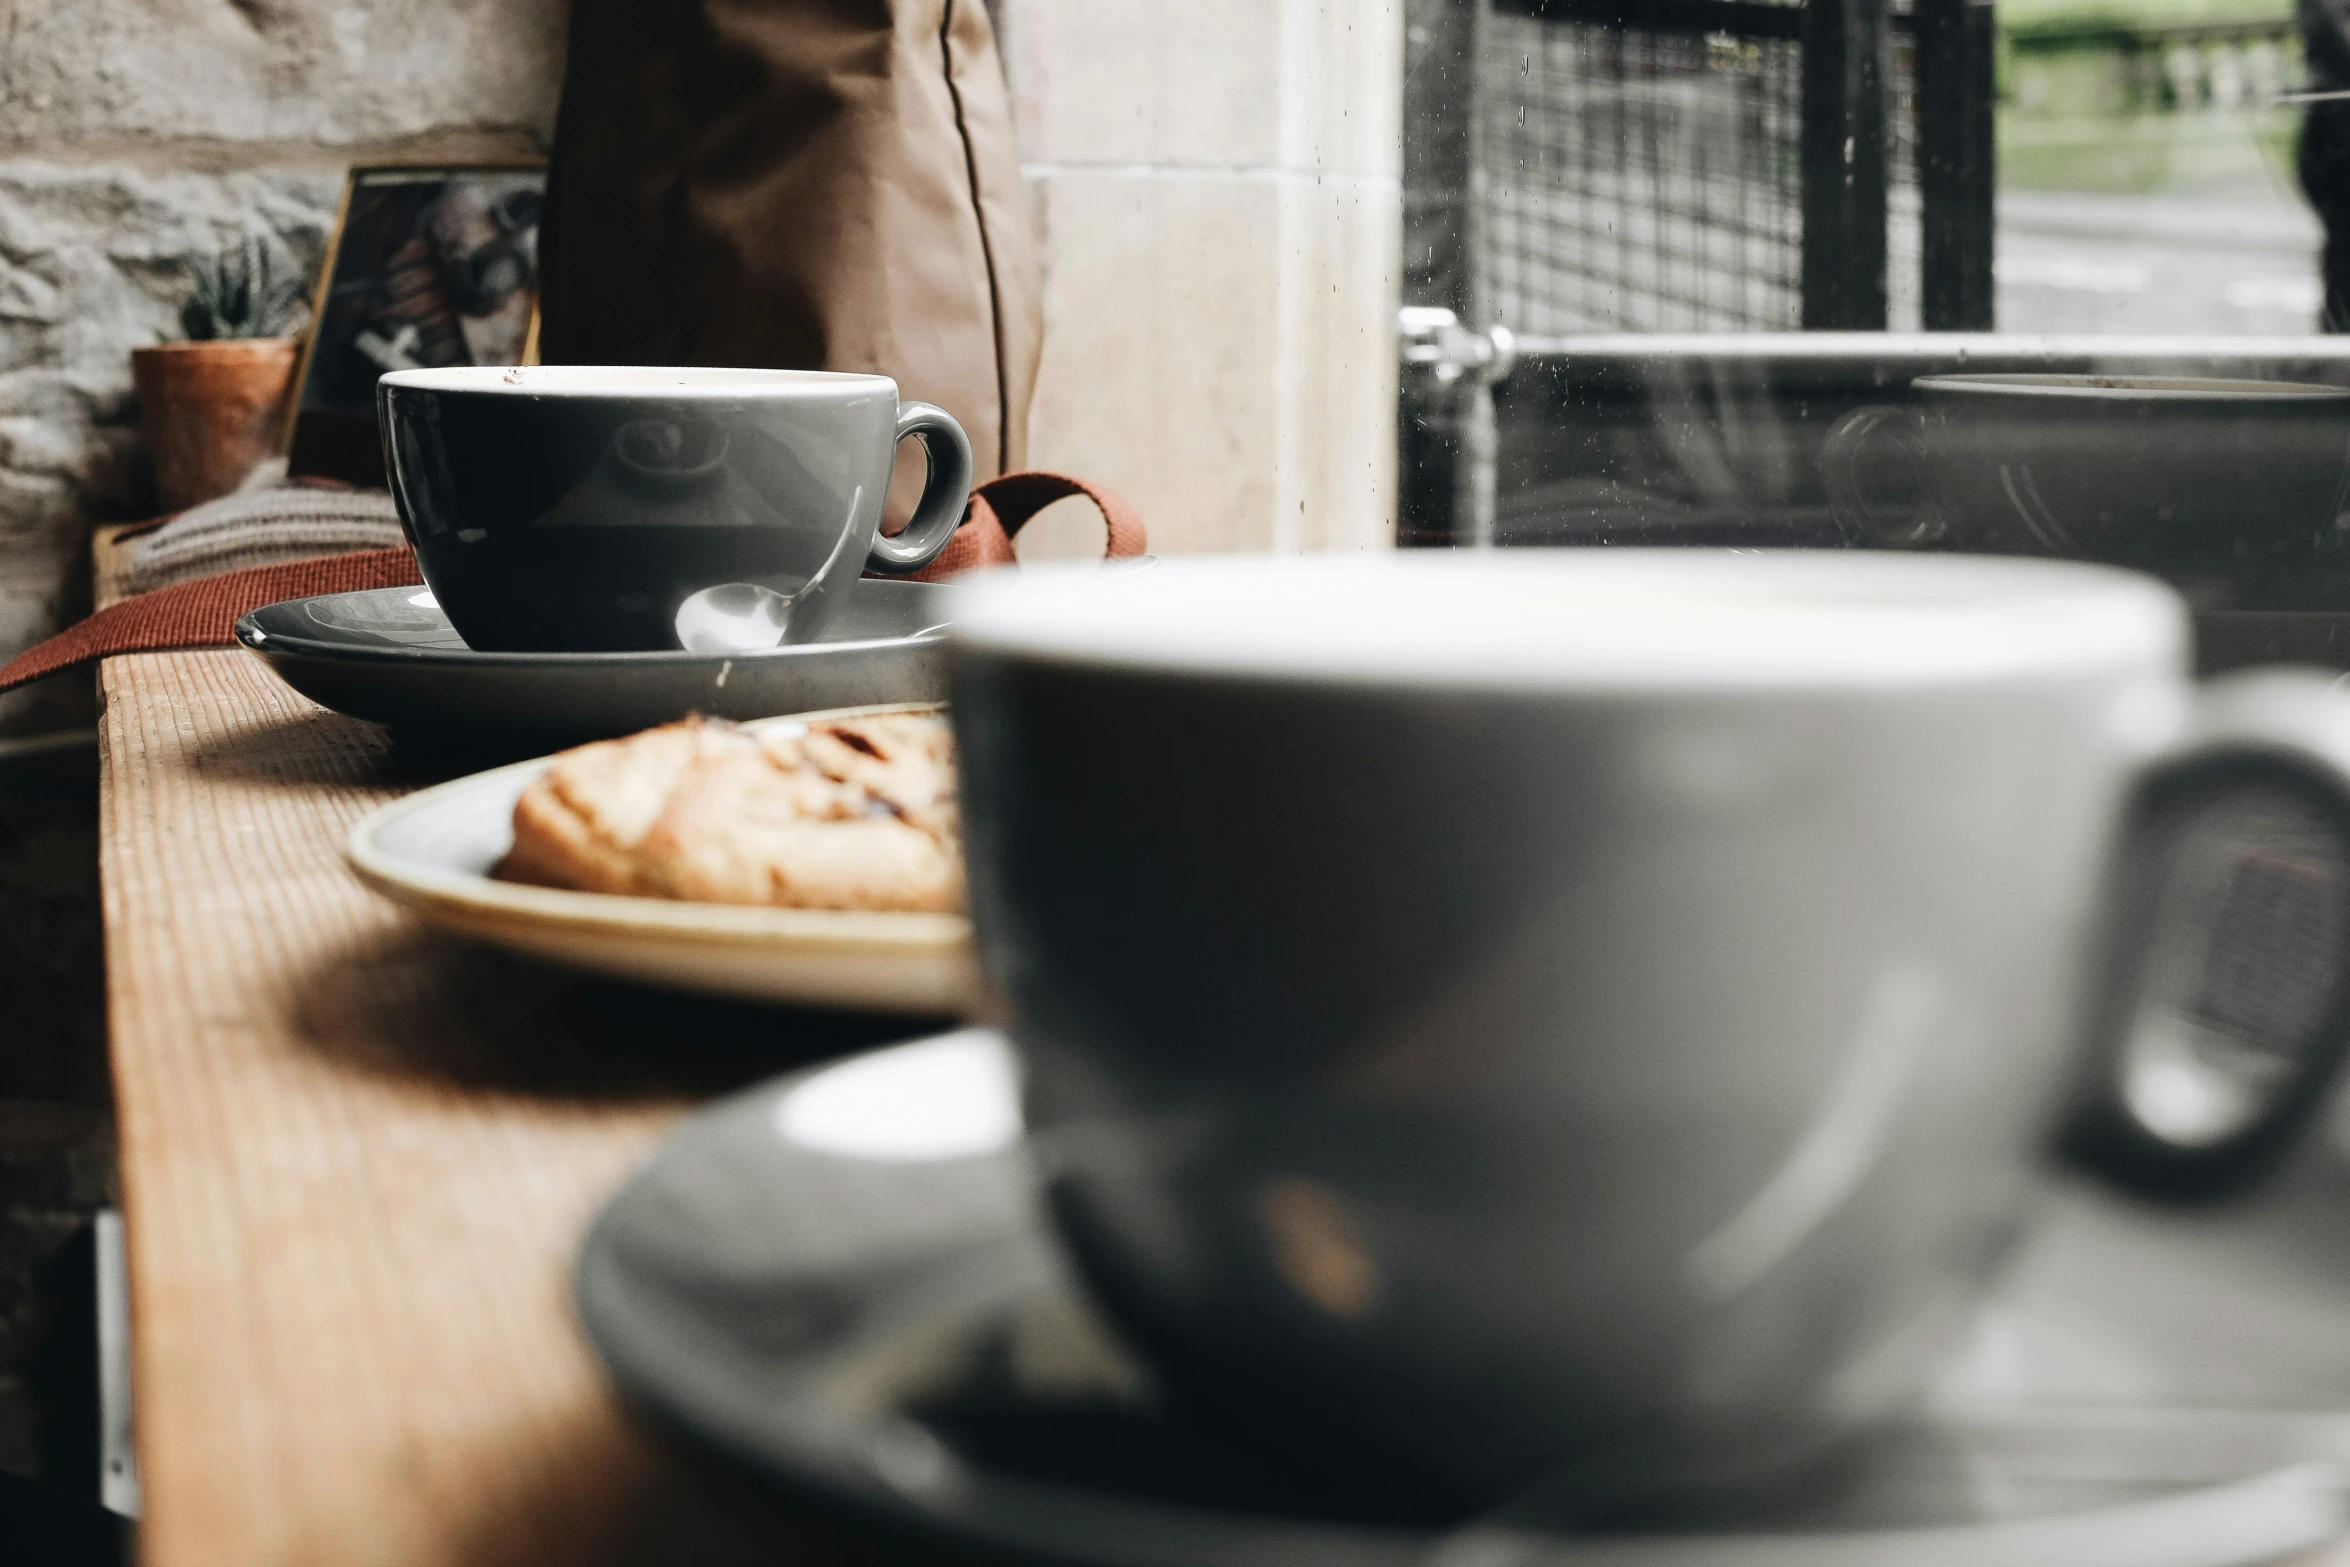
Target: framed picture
(427,267)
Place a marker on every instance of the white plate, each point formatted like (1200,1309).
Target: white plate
(432,853)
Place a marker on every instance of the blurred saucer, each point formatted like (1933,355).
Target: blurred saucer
(390,656)
(842,1280)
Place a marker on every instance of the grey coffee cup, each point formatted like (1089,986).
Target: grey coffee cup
(2229,490)
(574,508)
(1596,1015)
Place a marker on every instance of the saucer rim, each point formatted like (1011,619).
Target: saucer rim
(983,1509)
(270,644)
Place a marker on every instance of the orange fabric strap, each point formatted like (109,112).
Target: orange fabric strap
(1000,508)
(1016,497)
(204,613)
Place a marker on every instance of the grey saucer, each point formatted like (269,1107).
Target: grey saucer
(841,1279)
(389,655)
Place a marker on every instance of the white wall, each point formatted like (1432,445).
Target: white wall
(1217,184)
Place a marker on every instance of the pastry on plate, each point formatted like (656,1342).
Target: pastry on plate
(844,813)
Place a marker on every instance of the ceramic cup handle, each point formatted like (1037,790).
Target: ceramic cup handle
(1863,443)
(2223,990)
(944,496)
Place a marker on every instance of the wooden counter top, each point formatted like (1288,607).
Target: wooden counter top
(356,1158)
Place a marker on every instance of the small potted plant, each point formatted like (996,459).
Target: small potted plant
(214,406)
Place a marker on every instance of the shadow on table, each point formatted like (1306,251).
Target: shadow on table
(627,1493)
(419,1004)
(321,747)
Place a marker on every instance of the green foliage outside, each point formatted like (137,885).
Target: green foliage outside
(2019,16)
(2089,97)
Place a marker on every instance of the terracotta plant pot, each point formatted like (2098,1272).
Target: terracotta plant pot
(213,411)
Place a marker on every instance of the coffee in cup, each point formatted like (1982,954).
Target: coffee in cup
(1596,1014)
(565,508)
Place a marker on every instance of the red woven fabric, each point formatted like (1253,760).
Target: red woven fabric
(204,614)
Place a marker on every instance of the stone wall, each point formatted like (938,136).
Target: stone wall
(138,136)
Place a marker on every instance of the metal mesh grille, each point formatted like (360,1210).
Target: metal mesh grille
(2244,972)
(2274,924)
(1647,181)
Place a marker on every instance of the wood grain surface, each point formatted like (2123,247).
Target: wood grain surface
(356,1158)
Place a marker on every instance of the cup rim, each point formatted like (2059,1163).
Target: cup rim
(633,382)
(2129,388)
(1594,619)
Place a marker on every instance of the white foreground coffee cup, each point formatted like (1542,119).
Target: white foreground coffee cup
(1595,1014)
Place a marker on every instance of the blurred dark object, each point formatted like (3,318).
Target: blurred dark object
(62,1371)
(2324,158)
(428,267)
(56,1138)
(51,964)
(794,185)
(40,1528)
(2241,639)
(2228,490)
(1718,439)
